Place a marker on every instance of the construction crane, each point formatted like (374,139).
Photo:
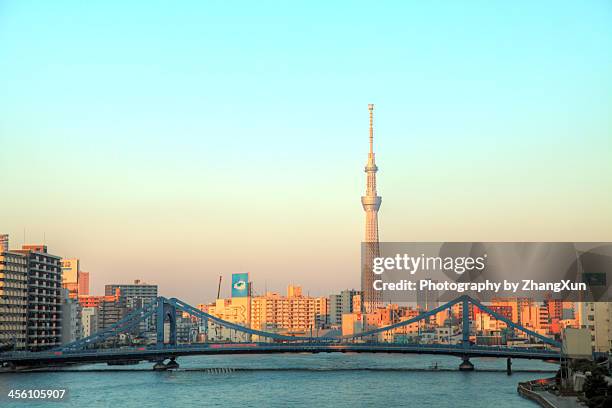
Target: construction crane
(217,327)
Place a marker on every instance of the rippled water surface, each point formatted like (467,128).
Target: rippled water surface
(326,380)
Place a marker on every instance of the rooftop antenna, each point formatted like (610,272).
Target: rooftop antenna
(219,288)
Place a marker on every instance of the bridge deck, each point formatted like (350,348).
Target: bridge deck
(156,354)
(83,351)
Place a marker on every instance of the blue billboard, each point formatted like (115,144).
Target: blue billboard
(240,285)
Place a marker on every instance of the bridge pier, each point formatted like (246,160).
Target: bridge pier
(466,365)
(160,366)
(509,366)
(170,365)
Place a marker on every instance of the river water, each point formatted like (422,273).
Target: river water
(324,380)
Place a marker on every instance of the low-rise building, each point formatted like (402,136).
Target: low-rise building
(89,320)
(341,304)
(597,318)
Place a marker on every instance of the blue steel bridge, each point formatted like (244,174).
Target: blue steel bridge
(243,340)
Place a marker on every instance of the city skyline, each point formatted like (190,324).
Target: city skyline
(205,162)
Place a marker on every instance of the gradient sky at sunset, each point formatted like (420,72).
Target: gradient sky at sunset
(176,141)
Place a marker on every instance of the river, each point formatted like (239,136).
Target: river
(325,380)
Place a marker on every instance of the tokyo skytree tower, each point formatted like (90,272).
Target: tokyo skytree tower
(371,203)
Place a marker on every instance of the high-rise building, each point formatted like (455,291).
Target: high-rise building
(111,309)
(74,279)
(70,276)
(340,304)
(13,297)
(72,328)
(44,297)
(83,283)
(99,312)
(371,203)
(136,295)
(295,314)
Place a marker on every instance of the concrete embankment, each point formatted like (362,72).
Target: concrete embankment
(537,391)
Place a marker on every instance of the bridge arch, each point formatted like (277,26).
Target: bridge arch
(165,312)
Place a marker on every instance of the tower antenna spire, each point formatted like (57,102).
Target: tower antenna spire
(371,108)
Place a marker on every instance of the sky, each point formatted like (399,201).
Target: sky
(174,142)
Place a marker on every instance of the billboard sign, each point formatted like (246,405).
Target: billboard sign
(4,243)
(240,285)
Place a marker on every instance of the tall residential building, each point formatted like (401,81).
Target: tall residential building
(72,328)
(372,299)
(289,314)
(74,279)
(136,294)
(110,311)
(13,297)
(44,297)
(83,283)
(98,312)
(341,304)
(70,276)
